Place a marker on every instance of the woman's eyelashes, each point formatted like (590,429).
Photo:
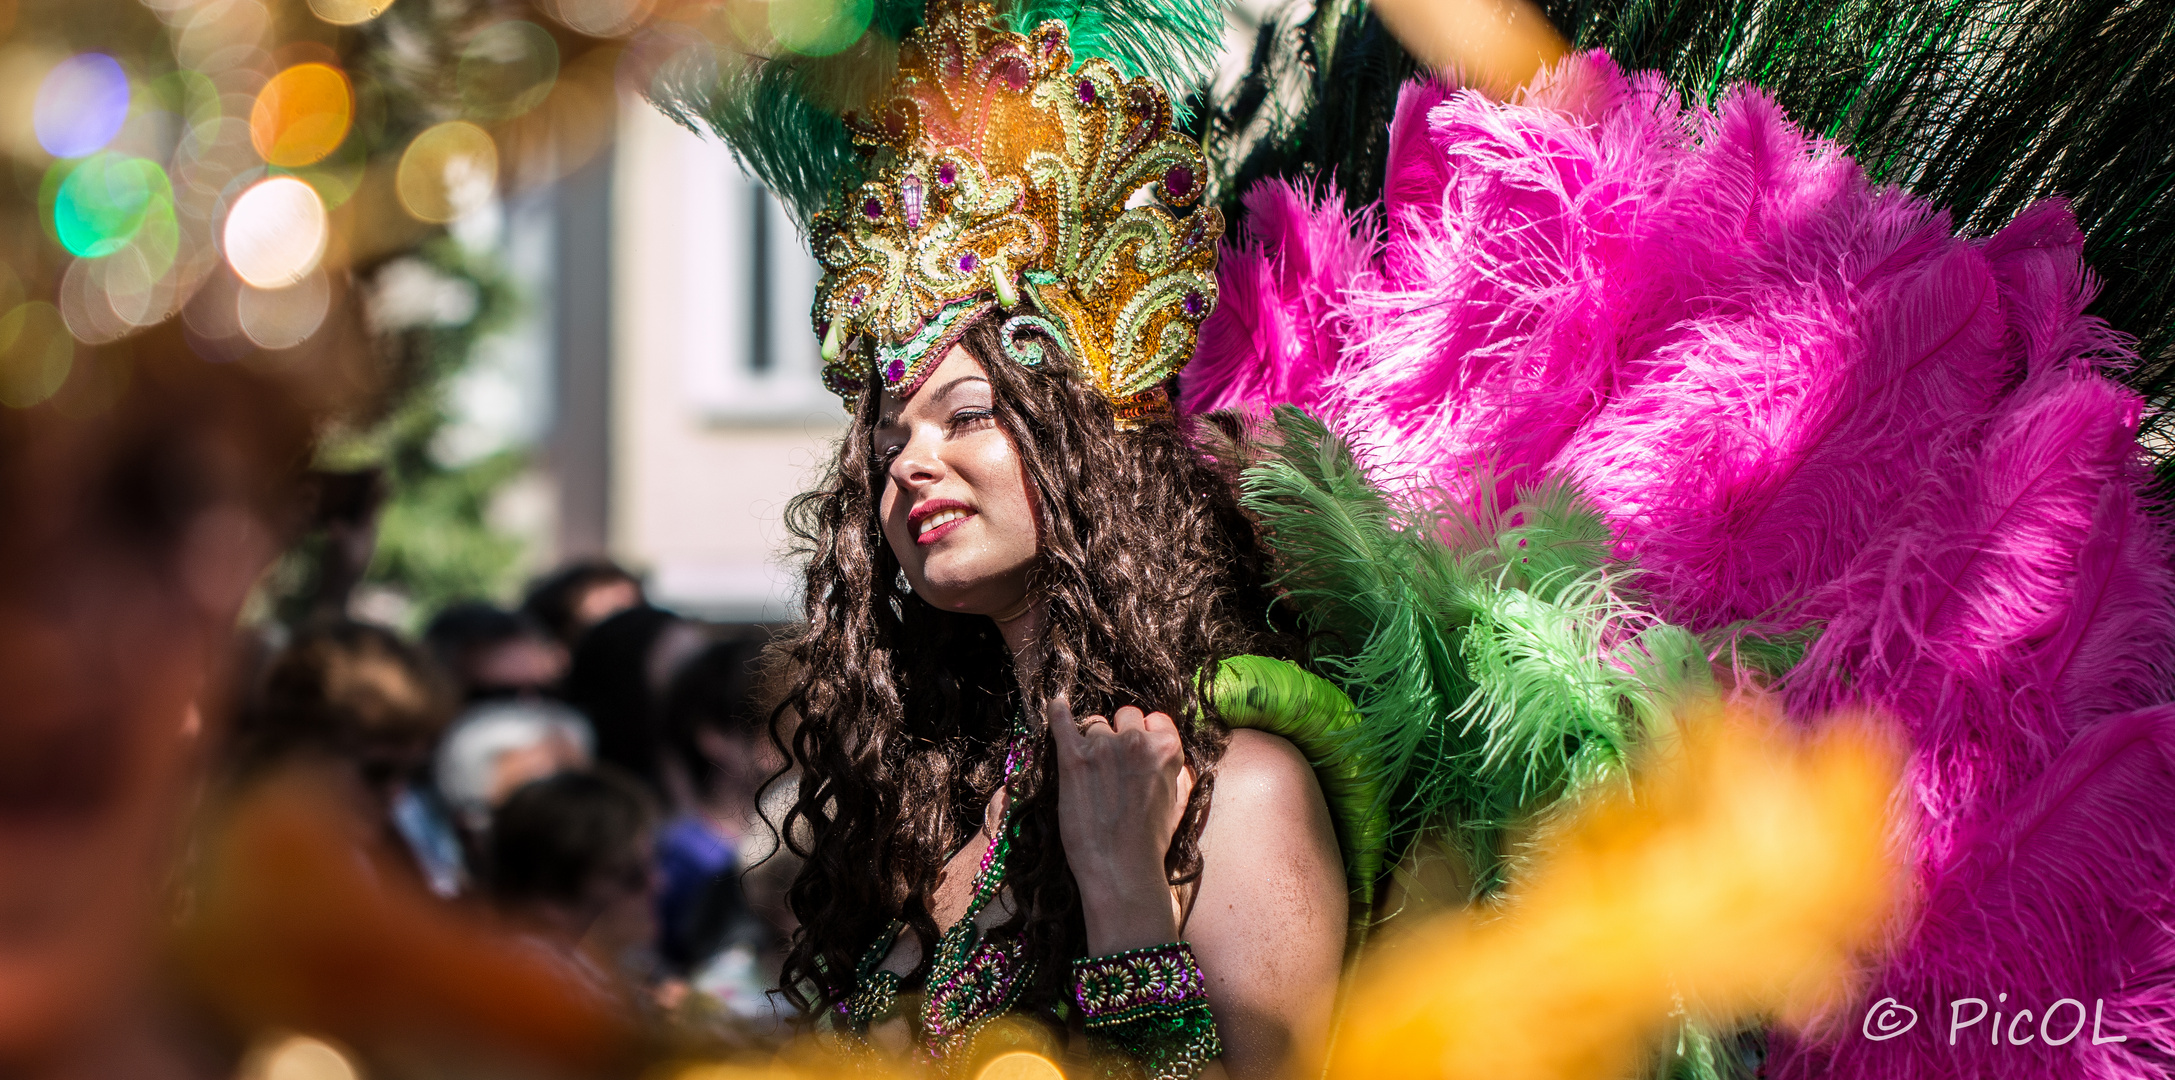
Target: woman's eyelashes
(966,419)
(971,416)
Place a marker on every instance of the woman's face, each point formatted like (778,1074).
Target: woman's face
(955,506)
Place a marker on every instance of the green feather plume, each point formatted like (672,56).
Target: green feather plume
(1495,653)
(762,110)
(781,115)
(1172,43)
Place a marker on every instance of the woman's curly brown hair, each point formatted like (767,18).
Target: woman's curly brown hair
(1152,574)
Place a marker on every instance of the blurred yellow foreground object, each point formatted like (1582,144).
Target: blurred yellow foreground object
(1735,877)
(1495,45)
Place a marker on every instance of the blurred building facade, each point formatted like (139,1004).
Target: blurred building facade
(679,407)
(718,416)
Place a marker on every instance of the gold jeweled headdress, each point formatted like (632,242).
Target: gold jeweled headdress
(1000,174)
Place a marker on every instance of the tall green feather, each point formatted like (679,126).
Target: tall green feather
(1172,43)
(763,111)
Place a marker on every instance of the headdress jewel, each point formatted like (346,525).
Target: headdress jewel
(998,174)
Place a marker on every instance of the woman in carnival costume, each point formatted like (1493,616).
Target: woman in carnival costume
(1606,401)
(1018,798)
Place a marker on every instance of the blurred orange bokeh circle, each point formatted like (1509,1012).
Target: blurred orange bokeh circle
(302,115)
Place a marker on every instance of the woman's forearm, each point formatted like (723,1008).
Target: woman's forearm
(1126,914)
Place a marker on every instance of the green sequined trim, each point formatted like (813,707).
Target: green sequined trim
(906,364)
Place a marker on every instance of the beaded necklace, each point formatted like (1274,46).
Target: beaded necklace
(971,980)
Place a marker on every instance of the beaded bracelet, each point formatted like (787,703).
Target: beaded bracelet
(1151,1006)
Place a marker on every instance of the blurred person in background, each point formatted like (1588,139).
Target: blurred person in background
(722,918)
(356,696)
(579,595)
(618,679)
(135,515)
(569,866)
(497,747)
(495,653)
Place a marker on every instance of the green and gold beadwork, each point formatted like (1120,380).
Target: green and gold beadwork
(1001,175)
(1146,1012)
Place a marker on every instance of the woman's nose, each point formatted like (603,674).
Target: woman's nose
(917,464)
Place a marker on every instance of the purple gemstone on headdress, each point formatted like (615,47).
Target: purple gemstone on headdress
(1192,305)
(1012,72)
(895,370)
(910,195)
(946,174)
(967,263)
(873,208)
(1178,182)
(1087,92)
(855,299)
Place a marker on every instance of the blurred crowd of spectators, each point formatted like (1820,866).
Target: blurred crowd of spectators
(587,771)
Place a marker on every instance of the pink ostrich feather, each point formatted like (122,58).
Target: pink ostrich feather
(1512,296)
(1944,619)
(1276,333)
(2067,892)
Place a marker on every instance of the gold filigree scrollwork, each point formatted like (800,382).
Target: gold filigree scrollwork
(997,169)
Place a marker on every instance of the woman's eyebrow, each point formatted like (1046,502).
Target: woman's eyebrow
(946,390)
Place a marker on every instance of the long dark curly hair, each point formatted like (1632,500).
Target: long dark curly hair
(897,712)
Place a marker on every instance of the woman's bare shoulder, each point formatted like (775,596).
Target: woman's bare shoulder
(1264,774)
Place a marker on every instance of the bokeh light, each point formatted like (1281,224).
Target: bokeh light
(35,352)
(302,115)
(224,36)
(507,68)
(336,179)
(447,171)
(284,318)
(104,200)
(137,289)
(276,232)
(1020,1065)
(603,18)
(819,27)
(348,12)
(212,313)
(298,1057)
(86,307)
(81,105)
(189,95)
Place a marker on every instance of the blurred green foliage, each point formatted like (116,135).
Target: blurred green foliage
(435,542)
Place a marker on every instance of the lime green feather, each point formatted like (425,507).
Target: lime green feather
(1280,698)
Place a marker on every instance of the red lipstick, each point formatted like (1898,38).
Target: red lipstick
(955,512)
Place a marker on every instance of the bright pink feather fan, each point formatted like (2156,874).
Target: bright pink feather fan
(1804,403)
